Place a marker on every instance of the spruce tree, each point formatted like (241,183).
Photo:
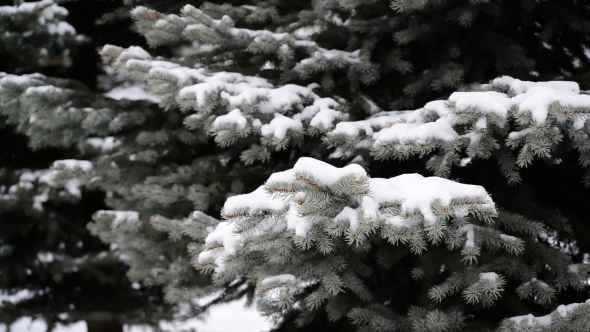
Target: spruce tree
(51,268)
(271,117)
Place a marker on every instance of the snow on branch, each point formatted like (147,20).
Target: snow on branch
(71,164)
(316,205)
(313,225)
(197,26)
(570,317)
(47,12)
(118,218)
(58,112)
(29,32)
(295,199)
(231,105)
(530,117)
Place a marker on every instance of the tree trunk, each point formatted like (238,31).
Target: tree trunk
(112,326)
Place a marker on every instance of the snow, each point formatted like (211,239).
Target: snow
(260,201)
(441,129)
(8,10)
(119,218)
(282,278)
(368,208)
(48,15)
(30,7)
(307,31)
(27,324)
(234,316)
(20,80)
(482,123)
(508,238)
(536,101)
(325,173)
(320,54)
(351,215)
(279,126)
(296,222)
(105,144)
(519,134)
(198,22)
(16,297)
(234,117)
(160,72)
(437,106)
(228,317)
(353,128)
(257,202)
(72,164)
(124,217)
(579,123)
(465,161)
(393,130)
(469,231)
(43,176)
(26,179)
(41,90)
(61,28)
(253,203)
(322,113)
(518,86)
(335,19)
(131,92)
(562,310)
(487,102)
(238,91)
(45,257)
(418,193)
(223,234)
(491,276)
(135,52)
(545,321)
(574,268)
(73,188)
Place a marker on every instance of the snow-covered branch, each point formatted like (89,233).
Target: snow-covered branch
(530,117)
(335,210)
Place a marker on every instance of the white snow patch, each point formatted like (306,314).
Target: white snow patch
(105,144)
(545,321)
(279,126)
(72,164)
(132,92)
(234,117)
(282,278)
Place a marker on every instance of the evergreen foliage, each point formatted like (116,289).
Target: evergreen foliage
(51,267)
(261,93)
(35,34)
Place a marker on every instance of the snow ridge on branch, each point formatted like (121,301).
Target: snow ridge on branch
(507,114)
(230,105)
(197,26)
(314,224)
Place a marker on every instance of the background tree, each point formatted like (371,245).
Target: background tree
(51,265)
